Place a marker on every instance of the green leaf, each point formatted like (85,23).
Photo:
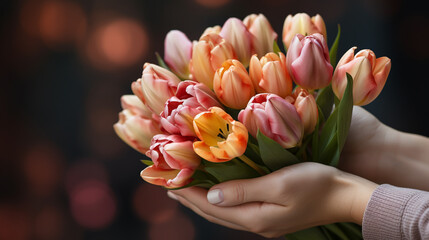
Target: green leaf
(353,230)
(230,170)
(325,101)
(252,152)
(337,231)
(273,154)
(161,61)
(309,233)
(334,48)
(276,48)
(345,110)
(328,139)
(147,162)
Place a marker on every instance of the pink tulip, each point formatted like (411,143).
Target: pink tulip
(263,35)
(191,99)
(136,130)
(157,85)
(308,61)
(369,75)
(275,117)
(232,84)
(302,23)
(174,161)
(178,52)
(208,55)
(239,37)
(306,106)
(269,74)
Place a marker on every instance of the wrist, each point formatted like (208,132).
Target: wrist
(352,197)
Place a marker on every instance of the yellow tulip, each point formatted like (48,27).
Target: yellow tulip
(222,138)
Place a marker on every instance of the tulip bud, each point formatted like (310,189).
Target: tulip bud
(263,35)
(157,85)
(178,52)
(275,117)
(308,61)
(135,130)
(191,99)
(208,55)
(270,75)
(174,161)
(232,84)
(302,23)
(239,37)
(306,106)
(369,75)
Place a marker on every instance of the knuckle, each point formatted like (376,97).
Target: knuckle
(239,193)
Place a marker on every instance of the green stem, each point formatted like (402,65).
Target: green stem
(252,164)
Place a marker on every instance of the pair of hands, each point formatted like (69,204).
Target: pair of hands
(310,194)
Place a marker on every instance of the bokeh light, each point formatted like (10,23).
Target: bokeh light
(56,23)
(179,227)
(117,43)
(50,223)
(212,3)
(14,222)
(93,204)
(83,170)
(43,166)
(152,204)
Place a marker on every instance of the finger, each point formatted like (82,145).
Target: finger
(238,215)
(236,192)
(210,218)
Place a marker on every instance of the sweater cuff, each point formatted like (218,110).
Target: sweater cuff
(384,212)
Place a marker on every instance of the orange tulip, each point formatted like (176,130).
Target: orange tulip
(222,138)
(232,84)
(306,106)
(269,74)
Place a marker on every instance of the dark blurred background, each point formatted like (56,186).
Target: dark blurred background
(64,174)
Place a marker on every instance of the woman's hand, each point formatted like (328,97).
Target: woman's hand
(288,200)
(384,155)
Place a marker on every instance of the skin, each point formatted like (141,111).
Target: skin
(373,151)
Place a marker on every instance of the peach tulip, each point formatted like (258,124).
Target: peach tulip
(136,130)
(208,55)
(157,85)
(369,75)
(306,106)
(232,84)
(302,23)
(269,74)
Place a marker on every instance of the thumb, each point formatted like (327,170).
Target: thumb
(236,192)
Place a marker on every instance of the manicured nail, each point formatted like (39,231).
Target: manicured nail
(215,196)
(172,195)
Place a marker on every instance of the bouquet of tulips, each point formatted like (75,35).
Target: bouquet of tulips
(232,105)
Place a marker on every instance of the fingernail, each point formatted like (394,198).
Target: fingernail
(172,195)
(215,196)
